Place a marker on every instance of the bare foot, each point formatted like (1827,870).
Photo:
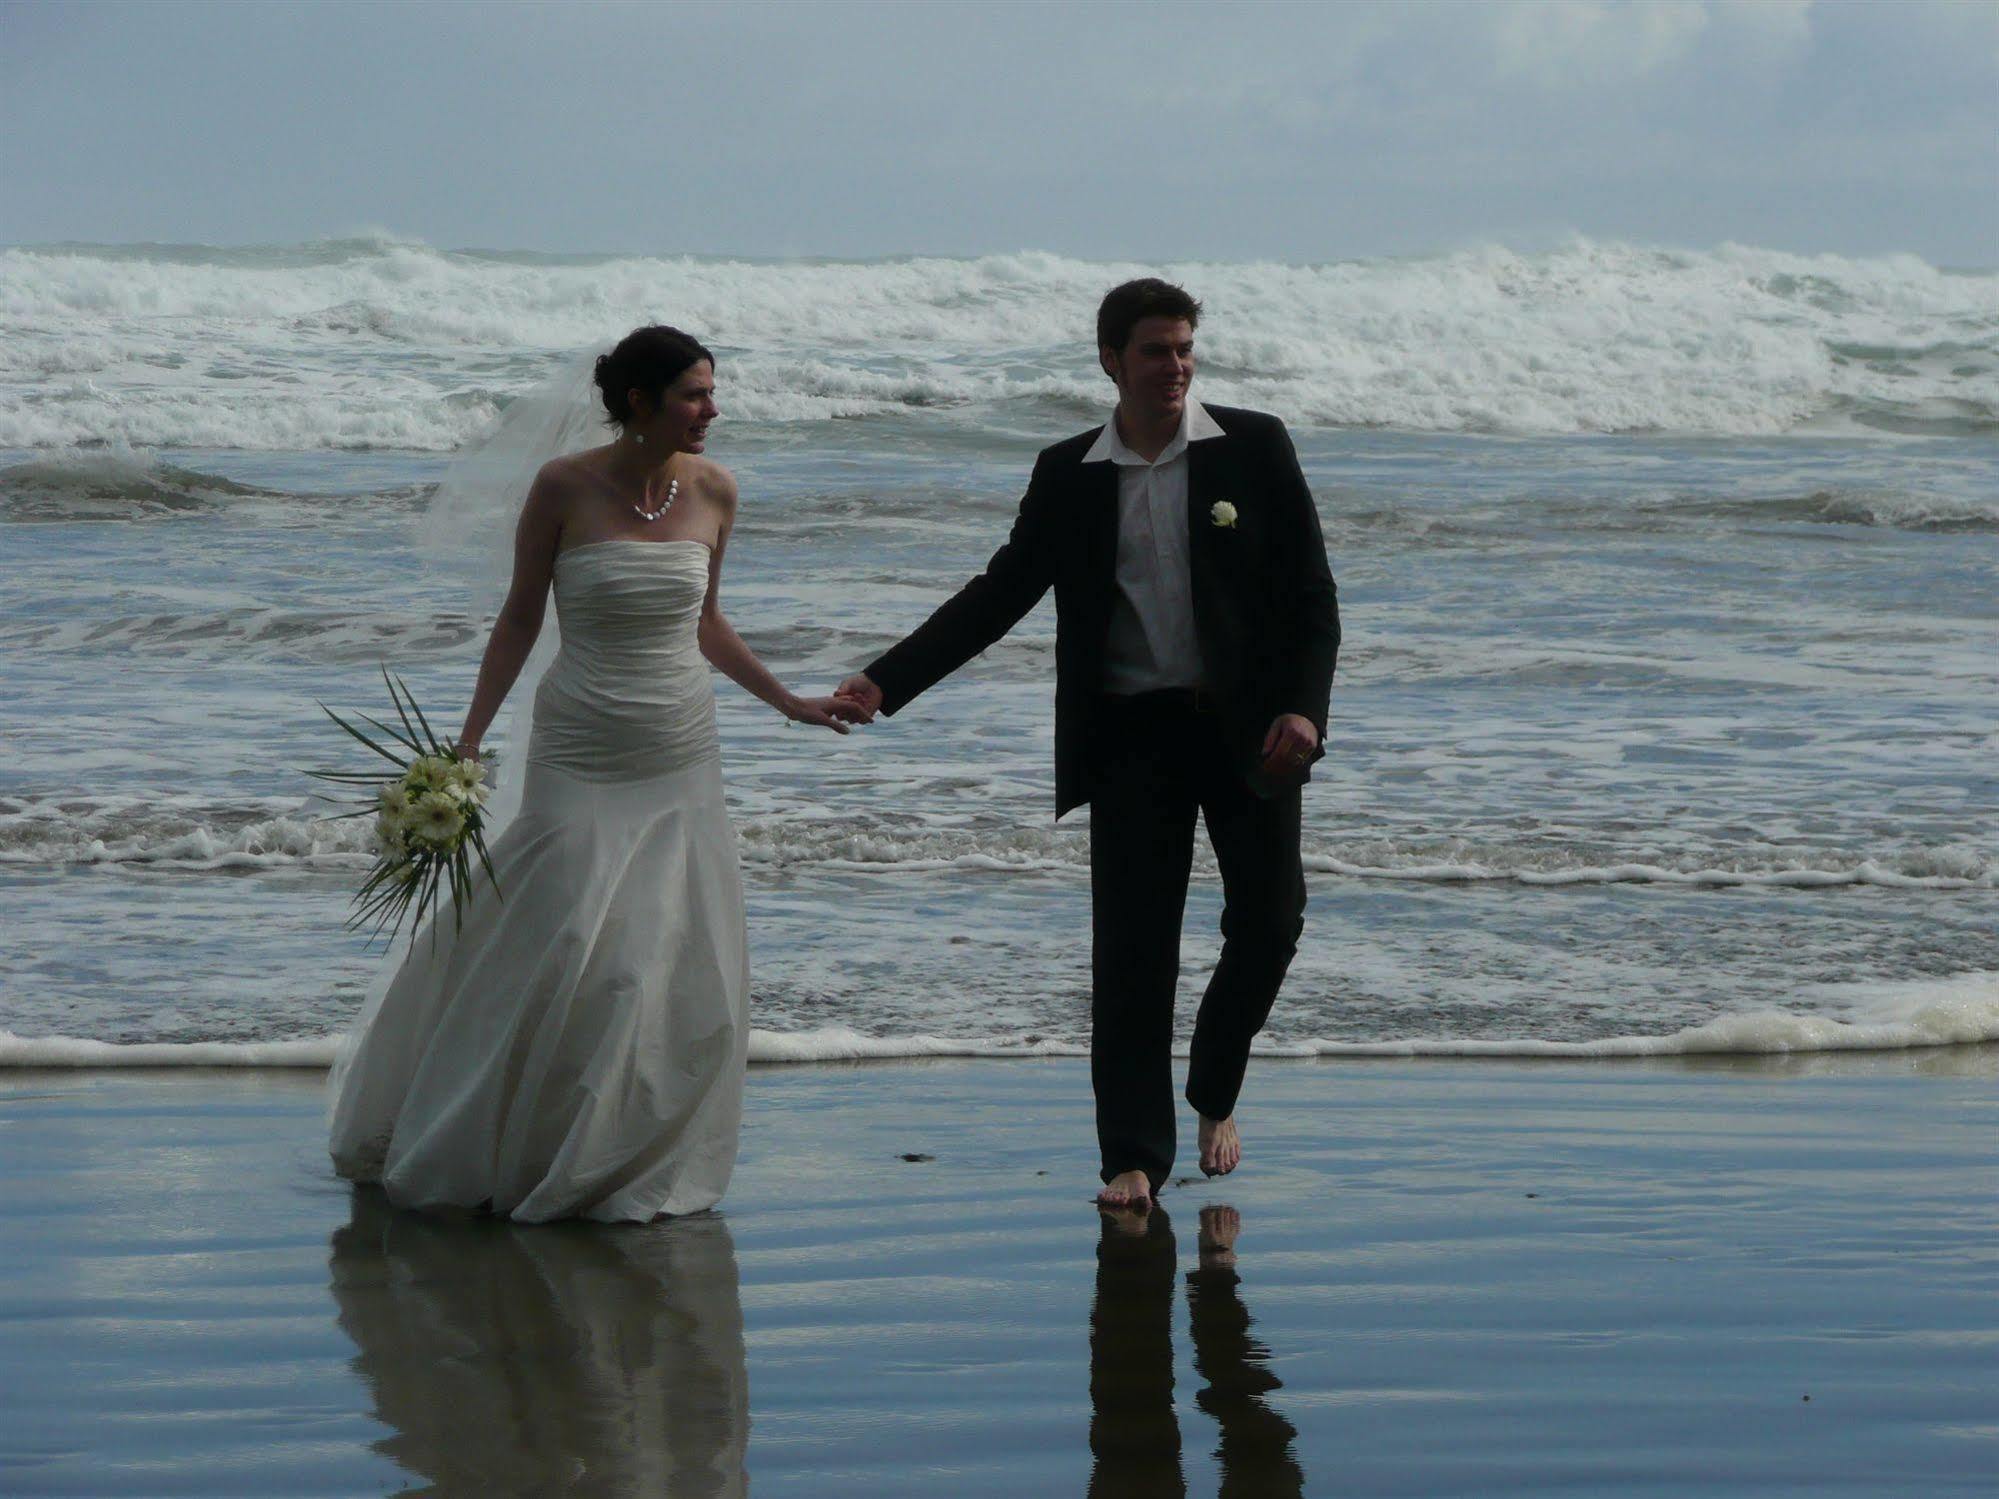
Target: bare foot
(1221,1146)
(1132,1223)
(1219,1227)
(1128,1189)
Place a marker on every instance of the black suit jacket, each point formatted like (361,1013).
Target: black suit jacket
(1266,612)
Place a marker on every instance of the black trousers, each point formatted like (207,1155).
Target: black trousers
(1156,762)
(1134,1431)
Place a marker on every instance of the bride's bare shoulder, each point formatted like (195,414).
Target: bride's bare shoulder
(715,481)
(566,470)
(559,487)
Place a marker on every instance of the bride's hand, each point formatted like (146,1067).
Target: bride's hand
(833,713)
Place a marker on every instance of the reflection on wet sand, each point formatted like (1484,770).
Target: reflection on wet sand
(1256,1451)
(1134,1431)
(1134,1435)
(566,1358)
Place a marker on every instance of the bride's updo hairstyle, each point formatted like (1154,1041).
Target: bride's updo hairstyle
(648,359)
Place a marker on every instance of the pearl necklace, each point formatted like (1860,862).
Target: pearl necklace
(672,494)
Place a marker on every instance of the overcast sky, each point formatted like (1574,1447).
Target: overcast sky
(1157,131)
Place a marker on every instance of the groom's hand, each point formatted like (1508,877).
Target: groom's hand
(861,691)
(1287,748)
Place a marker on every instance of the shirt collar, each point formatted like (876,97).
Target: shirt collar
(1195,426)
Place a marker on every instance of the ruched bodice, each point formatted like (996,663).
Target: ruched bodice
(628,695)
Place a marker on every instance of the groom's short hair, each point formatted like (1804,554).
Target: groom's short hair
(1125,307)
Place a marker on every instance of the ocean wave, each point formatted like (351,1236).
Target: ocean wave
(1430,860)
(385,343)
(112,486)
(1955,1011)
(1929,868)
(123,484)
(266,834)
(276,833)
(250,632)
(1887,509)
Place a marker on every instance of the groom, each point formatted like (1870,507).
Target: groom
(1196,631)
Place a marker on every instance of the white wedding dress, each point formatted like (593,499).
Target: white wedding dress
(577,1049)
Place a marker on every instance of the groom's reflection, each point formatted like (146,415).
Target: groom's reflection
(1134,1433)
(567,1358)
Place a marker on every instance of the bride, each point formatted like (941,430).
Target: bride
(577,1048)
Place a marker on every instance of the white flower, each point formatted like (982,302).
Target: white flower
(1223,514)
(463,783)
(394,800)
(437,819)
(389,835)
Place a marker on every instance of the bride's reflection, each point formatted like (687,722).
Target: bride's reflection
(1134,1433)
(564,1358)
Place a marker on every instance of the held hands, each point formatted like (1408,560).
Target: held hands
(856,701)
(1288,747)
(833,713)
(860,695)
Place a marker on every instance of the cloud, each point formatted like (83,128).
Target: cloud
(1786,24)
(1569,43)
(1089,127)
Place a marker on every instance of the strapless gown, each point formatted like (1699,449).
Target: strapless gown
(577,1049)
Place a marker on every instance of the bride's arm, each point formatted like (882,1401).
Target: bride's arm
(727,653)
(514,632)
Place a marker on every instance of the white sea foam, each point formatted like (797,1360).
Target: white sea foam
(1960,1010)
(387,344)
(275,833)
(70,1051)
(178,833)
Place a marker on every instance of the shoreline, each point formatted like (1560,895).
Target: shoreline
(62,1056)
(1494,1277)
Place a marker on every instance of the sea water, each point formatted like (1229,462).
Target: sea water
(1667,716)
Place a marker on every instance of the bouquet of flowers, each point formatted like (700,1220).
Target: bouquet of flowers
(428,824)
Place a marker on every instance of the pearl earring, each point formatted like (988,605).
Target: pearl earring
(639,438)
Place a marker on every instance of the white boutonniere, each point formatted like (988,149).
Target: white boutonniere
(1222,513)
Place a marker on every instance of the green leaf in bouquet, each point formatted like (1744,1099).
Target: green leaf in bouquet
(352,777)
(427,902)
(390,755)
(412,745)
(461,887)
(478,842)
(399,693)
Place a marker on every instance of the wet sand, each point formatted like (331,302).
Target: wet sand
(1451,1278)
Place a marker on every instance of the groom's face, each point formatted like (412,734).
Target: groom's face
(1154,368)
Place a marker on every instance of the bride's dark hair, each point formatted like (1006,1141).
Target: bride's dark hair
(648,359)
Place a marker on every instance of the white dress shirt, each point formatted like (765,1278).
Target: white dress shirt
(1152,642)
